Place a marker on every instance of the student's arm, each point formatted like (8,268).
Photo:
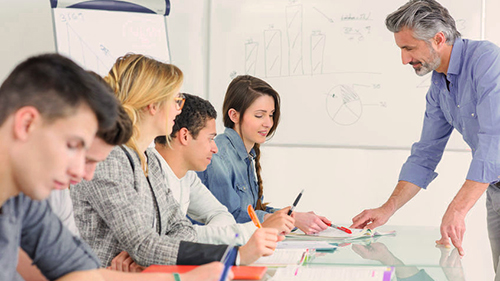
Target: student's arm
(261,214)
(53,249)
(208,272)
(204,207)
(220,226)
(113,195)
(310,223)
(27,270)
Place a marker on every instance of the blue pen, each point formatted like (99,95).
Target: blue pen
(226,258)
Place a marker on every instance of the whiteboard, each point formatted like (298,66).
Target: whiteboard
(95,39)
(334,63)
(492,23)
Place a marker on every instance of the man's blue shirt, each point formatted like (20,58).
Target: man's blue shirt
(32,226)
(471,106)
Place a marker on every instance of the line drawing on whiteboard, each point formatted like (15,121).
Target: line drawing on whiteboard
(251,50)
(294,34)
(344,105)
(80,51)
(461,24)
(317,52)
(324,15)
(357,33)
(272,52)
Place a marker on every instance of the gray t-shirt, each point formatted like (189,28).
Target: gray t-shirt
(33,226)
(60,202)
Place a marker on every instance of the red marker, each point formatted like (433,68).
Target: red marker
(344,229)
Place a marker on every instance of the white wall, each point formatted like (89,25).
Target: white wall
(339,182)
(25,30)
(187,28)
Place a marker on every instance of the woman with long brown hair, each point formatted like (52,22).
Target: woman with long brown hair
(251,113)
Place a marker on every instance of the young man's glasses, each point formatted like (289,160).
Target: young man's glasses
(179,101)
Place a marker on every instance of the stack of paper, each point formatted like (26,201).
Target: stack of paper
(282,257)
(333,233)
(298,244)
(355,273)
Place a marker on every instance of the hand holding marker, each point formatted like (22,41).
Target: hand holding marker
(344,229)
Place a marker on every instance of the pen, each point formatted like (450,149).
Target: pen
(226,260)
(253,216)
(344,229)
(295,202)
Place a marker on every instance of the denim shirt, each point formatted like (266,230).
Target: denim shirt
(471,106)
(231,176)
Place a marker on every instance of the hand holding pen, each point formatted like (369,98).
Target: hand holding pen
(308,222)
(280,220)
(262,243)
(253,216)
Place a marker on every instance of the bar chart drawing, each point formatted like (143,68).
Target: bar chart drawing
(294,20)
(272,52)
(251,52)
(317,52)
(344,105)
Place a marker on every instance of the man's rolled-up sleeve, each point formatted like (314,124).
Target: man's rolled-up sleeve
(428,151)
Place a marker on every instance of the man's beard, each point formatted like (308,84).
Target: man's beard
(426,67)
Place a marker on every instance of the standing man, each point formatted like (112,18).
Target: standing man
(464,95)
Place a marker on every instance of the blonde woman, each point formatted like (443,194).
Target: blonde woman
(127,207)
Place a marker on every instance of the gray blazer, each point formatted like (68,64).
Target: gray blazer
(116,211)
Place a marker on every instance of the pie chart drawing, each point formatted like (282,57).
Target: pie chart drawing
(344,105)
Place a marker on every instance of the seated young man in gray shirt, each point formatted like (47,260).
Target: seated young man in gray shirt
(50,111)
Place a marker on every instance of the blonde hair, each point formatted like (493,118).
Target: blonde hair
(139,81)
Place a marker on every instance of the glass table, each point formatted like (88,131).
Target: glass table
(411,251)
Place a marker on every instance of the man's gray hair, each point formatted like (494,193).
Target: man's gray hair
(425,18)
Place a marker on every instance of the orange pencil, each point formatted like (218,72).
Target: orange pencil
(253,216)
